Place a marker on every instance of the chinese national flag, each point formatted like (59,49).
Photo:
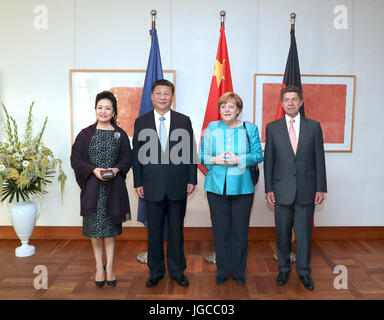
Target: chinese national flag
(291,75)
(221,83)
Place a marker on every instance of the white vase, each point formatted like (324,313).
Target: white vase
(23,215)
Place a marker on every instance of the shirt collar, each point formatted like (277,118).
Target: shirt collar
(297,119)
(167,115)
(222,124)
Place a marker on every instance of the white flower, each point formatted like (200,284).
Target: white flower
(117,135)
(18,156)
(25,163)
(2,167)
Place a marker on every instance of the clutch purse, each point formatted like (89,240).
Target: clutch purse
(106,174)
(254,170)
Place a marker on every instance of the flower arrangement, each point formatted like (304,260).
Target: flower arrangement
(26,165)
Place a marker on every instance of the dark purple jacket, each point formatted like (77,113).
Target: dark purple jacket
(117,195)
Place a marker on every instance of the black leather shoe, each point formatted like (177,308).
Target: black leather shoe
(221,280)
(240,281)
(282,278)
(152,281)
(112,283)
(182,280)
(307,282)
(99,284)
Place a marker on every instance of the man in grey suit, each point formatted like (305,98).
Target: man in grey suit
(295,181)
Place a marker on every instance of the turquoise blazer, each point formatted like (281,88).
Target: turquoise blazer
(218,138)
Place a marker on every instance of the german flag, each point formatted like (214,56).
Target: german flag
(291,75)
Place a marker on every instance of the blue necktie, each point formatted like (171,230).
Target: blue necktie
(162,134)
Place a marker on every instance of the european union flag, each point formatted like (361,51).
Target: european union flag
(154,72)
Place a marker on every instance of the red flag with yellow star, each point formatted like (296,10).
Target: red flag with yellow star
(220,84)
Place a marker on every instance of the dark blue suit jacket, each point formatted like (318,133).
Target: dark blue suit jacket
(169,172)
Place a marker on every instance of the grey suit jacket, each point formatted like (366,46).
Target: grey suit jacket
(294,178)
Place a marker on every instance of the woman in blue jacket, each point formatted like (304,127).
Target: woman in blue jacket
(228,153)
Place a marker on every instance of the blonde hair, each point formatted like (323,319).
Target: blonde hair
(230,96)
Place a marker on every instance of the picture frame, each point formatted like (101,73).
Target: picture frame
(329,99)
(127,86)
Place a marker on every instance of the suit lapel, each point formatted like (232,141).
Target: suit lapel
(172,126)
(285,136)
(304,130)
(172,123)
(152,124)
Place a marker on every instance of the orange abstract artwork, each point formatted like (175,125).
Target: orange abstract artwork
(325,103)
(128,106)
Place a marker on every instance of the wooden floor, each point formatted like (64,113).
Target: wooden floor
(71,271)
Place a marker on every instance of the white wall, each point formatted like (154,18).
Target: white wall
(96,34)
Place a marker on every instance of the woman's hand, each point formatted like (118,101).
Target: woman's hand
(220,159)
(114,170)
(226,159)
(230,158)
(97,173)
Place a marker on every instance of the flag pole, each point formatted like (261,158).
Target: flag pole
(153,13)
(293,21)
(222,14)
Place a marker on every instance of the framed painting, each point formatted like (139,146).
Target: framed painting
(127,86)
(329,99)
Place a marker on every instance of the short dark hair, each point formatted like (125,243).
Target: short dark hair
(291,88)
(111,97)
(163,82)
(231,96)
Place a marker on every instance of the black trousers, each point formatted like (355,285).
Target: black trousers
(300,217)
(230,223)
(157,212)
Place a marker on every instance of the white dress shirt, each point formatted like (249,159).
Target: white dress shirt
(167,121)
(296,125)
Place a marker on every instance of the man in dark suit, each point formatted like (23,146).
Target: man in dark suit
(165,174)
(295,181)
